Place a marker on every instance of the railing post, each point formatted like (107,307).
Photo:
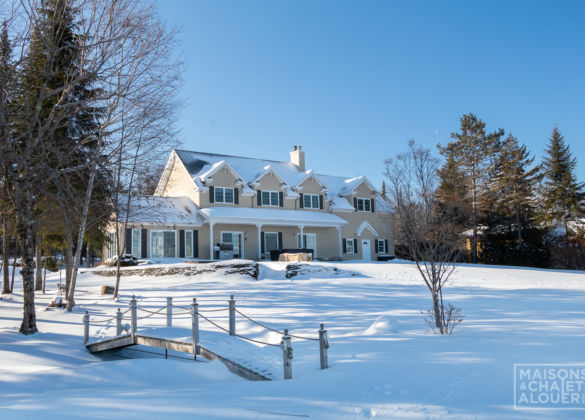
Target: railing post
(85,328)
(286,355)
(169,312)
(133,322)
(323,346)
(195,326)
(119,322)
(232,311)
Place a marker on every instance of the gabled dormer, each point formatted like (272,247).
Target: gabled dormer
(312,192)
(362,195)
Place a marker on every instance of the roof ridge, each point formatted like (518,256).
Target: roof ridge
(232,156)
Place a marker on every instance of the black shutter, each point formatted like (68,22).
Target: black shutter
(196,244)
(144,243)
(128,243)
(372,207)
(386,246)
(355,203)
(212,194)
(344,247)
(259,198)
(321,201)
(279,241)
(355,246)
(181,243)
(262,242)
(376,242)
(236,196)
(280,199)
(302,203)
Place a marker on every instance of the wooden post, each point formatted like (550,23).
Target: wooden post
(195,326)
(323,346)
(232,311)
(286,355)
(119,322)
(85,328)
(169,312)
(133,314)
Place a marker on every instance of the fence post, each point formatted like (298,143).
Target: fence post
(232,310)
(119,322)
(286,355)
(169,312)
(85,328)
(133,314)
(195,326)
(323,346)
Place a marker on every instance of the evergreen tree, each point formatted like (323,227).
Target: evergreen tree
(471,152)
(562,193)
(514,184)
(383,193)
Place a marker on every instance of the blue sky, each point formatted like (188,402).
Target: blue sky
(352,81)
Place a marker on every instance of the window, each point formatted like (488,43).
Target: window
(162,244)
(270,240)
(234,238)
(136,235)
(309,242)
(224,195)
(381,246)
(112,245)
(188,244)
(364,204)
(311,201)
(270,198)
(350,246)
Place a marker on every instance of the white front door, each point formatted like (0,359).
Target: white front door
(366,252)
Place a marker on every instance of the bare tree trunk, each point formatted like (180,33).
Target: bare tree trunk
(16,251)
(44,278)
(5,257)
(437,311)
(38,263)
(68,258)
(518,227)
(88,259)
(83,223)
(25,232)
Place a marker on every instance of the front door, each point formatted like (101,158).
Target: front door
(366,252)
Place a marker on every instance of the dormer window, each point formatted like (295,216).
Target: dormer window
(270,198)
(364,204)
(224,195)
(311,201)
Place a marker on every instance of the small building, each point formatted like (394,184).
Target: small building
(214,206)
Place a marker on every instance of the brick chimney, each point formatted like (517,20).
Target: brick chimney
(297,158)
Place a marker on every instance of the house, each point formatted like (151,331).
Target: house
(213,206)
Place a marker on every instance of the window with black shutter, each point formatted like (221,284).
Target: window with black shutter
(212,194)
(259,197)
(301,203)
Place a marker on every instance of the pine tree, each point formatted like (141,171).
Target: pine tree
(472,153)
(514,183)
(562,193)
(383,193)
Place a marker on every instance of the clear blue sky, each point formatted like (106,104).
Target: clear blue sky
(352,81)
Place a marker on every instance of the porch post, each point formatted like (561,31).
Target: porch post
(211,241)
(340,249)
(302,240)
(259,226)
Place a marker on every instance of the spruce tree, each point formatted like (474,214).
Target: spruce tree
(562,193)
(471,152)
(514,183)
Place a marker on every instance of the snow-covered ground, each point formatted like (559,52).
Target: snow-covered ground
(384,363)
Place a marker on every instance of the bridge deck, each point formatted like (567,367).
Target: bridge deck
(177,345)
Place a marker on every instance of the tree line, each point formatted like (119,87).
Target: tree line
(88,101)
(509,209)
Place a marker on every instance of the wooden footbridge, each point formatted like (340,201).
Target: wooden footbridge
(163,338)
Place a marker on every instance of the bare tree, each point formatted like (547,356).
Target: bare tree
(429,239)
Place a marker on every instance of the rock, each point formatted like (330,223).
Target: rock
(57,302)
(107,290)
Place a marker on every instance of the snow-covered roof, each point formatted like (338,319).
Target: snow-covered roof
(271,216)
(200,165)
(169,211)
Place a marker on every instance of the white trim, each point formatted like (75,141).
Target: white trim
(269,170)
(304,245)
(363,180)
(270,198)
(276,233)
(185,242)
(366,225)
(318,201)
(216,167)
(364,199)
(310,174)
(215,188)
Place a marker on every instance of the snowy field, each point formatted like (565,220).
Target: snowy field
(384,362)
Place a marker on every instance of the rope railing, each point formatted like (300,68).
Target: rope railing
(276,331)
(196,313)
